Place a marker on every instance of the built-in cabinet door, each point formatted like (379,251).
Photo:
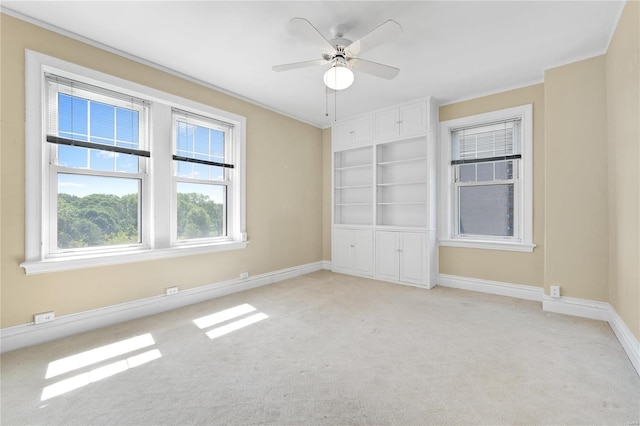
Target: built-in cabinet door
(342,250)
(387,124)
(413,119)
(356,132)
(363,252)
(387,262)
(401,257)
(413,261)
(342,136)
(405,121)
(362,129)
(353,251)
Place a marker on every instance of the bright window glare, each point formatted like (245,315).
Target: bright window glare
(223,316)
(97,374)
(94,356)
(236,325)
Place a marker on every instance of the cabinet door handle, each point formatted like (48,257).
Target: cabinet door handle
(351,245)
(399,122)
(399,250)
(352,132)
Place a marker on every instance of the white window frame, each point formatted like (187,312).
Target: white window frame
(523,214)
(227,181)
(159,179)
(50,151)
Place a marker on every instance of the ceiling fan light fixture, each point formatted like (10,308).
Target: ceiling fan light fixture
(338,77)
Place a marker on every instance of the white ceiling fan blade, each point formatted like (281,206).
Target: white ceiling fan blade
(305,27)
(373,68)
(379,35)
(296,65)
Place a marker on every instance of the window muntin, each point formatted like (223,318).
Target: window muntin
(485,160)
(504,159)
(156,171)
(96,194)
(202,168)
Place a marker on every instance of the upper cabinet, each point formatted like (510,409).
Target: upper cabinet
(401,121)
(352,133)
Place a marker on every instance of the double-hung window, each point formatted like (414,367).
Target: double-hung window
(95,149)
(486,180)
(118,172)
(202,175)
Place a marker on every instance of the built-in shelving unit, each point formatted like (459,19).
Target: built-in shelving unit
(401,197)
(383,192)
(353,186)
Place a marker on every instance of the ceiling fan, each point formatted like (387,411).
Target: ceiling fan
(343,54)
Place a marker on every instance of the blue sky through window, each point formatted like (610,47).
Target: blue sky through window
(202,143)
(88,120)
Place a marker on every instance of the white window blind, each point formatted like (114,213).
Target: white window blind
(94,117)
(497,141)
(201,140)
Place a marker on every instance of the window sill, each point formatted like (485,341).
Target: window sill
(488,245)
(91,261)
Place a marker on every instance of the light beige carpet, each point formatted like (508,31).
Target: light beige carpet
(327,348)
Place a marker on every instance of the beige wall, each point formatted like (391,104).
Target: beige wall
(576,173)
(495,265)
(326,194)
(284,192)
(623,140)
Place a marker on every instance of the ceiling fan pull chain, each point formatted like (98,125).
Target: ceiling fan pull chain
(326,101)
(335,105)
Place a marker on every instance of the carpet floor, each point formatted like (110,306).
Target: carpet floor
(327,348)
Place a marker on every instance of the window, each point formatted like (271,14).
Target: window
(201,176)
(119,172)
(485,193)
(96,169)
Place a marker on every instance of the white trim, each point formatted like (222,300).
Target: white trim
(12,338)
(628,341)
(492,92)
(446,217)
(36,257)
(489,245)
(601,311)
(93,43)
(517,291)
(326,265)
(583,308)
(56,264)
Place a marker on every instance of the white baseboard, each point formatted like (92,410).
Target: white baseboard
(492,287)
(326,264)
(602,311)
(12,338)
(591,309)
(628,341)
(577,307)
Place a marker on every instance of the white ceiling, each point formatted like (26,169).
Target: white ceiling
(448,49)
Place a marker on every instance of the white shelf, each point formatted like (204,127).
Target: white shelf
(353,186)
(417,182)
(352,204)
(403,203)
(404,161)
(359,166)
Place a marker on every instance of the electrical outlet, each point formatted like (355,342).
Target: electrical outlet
(171,290)
(44,317)
(244,275)
(555,291)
